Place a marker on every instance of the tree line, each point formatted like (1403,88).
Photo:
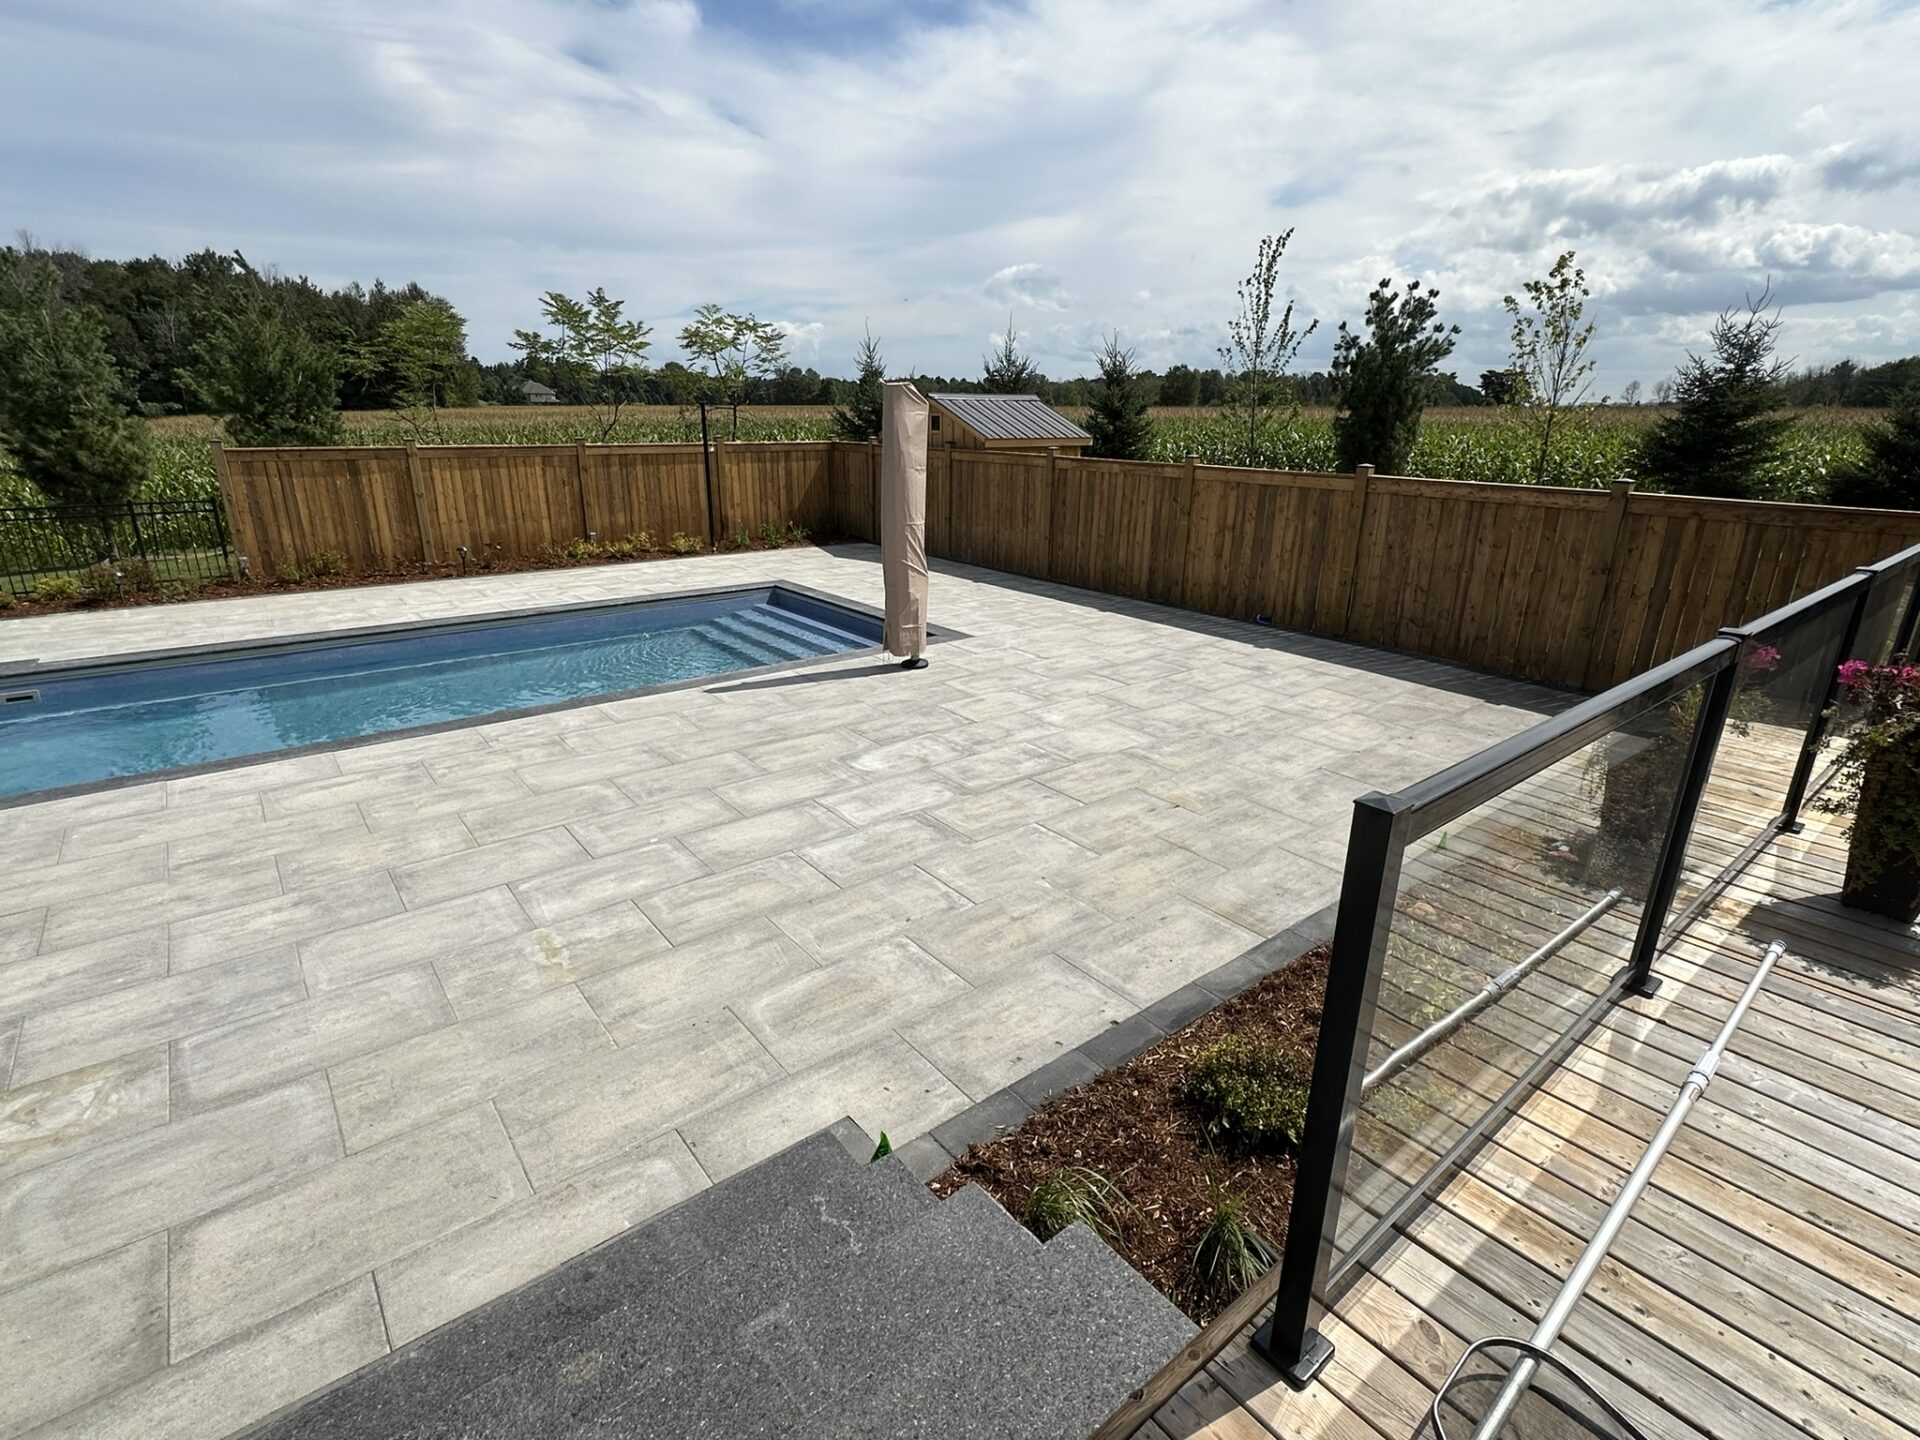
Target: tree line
(88,346)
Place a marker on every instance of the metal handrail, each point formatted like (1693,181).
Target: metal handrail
(1588,1265)
(1499,985)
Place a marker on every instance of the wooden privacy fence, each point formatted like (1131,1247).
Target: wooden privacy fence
(1572,587)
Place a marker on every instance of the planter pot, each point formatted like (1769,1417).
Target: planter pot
(1884,884)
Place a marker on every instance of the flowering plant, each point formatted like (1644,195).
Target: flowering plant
(1879,770)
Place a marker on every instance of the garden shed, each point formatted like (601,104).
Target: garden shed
(1001,422)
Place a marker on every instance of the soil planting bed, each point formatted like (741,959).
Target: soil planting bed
(1135,1126)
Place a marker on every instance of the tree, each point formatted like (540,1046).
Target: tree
(738,351)
(1630,395)
(1382,380)
(1550,349)
(1006,371)
(1728,427)
(1260,347)
(1663,391)
(859,418)
(272,381)
(1180,386)
(420,354)
(63,406)
(1118,422)
(599,352)
(1503,387)
(1887,477)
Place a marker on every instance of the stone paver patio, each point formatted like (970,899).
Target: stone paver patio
(305,1058)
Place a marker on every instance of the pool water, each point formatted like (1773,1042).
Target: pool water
(76,726)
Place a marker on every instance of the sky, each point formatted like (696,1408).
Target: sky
(1084,167)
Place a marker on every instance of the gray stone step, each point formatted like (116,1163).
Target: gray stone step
(807,1210)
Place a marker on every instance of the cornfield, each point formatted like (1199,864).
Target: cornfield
(1595,446)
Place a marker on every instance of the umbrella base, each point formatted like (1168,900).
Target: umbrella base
(918,662)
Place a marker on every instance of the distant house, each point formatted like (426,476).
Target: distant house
(538,394)
(1001,422)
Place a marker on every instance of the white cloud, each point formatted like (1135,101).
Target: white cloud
(1105,165)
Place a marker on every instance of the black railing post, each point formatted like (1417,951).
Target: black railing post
(139,540)
(1903,638)
(1673,846)
(219,509)
(1369,886)
(1817,727)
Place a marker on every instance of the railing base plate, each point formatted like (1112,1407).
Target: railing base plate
(1299,1371)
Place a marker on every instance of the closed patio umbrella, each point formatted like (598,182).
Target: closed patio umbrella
(903,520)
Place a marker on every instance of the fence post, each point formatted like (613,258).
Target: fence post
(716,502)
(429,552)
(139,540)
(1047,568)
(1817,727)
(1368,889)
(1177,592)
(238,520)
(580,485)
(1365,475)
(1704,746)
(1613,532)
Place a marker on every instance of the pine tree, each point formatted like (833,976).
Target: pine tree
(63,410)
(272,381)
(1382,380)
(1887,477)
(859,418)
(1007,371)
(1118,422)
(1729,428)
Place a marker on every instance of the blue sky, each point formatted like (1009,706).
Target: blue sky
(1087,166)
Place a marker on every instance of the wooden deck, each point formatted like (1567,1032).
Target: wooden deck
(1768,1282)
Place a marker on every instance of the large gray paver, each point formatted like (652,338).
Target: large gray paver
(82,1333)
(394,1090)
(48,1119)
(215,1066)
(485,977)
(104,1196)
(152,1012)
(1116,783)
(265,1256)
(589,1112)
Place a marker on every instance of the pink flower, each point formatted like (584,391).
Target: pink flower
(1855,672)
(1764,657)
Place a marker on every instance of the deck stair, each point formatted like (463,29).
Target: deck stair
(815,1294)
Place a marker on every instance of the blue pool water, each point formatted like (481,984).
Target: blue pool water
(102,722)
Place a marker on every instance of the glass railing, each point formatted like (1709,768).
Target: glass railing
(1490,914)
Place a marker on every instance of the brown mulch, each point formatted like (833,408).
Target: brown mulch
(1134,1125)
(220,589)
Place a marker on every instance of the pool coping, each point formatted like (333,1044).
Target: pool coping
(316,639)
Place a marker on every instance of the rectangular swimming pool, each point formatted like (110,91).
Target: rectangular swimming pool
(68,726)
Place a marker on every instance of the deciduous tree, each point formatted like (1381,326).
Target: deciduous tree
(737,350)
(1382,380)
(599,351)
(420,354)
(1550,351)
(272,381)
(1260,345)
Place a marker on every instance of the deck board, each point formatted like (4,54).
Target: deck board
(1768,1283)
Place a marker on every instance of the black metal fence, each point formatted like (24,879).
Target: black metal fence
(112,549)
(1490,914)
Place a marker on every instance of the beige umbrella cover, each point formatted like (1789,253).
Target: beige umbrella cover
(903,516)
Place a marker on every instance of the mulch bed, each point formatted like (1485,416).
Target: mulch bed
(1135,1126)
(220,589)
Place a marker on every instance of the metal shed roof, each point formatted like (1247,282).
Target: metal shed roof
(1010,417)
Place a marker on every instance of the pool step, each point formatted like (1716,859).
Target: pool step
(792,627)
(752,628)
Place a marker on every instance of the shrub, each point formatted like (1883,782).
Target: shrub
(1249,1091)
(580,548)
(1232,1252)
(326,562)
(742,540)
(1887,476)
(770,534)
(290,572)
(57,587)
(6,599)
(685,544)
(110,579)
(1074,1193)
(796,533)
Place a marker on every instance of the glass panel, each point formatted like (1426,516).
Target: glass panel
(1475,901)
(1782,679)
(1874,643)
